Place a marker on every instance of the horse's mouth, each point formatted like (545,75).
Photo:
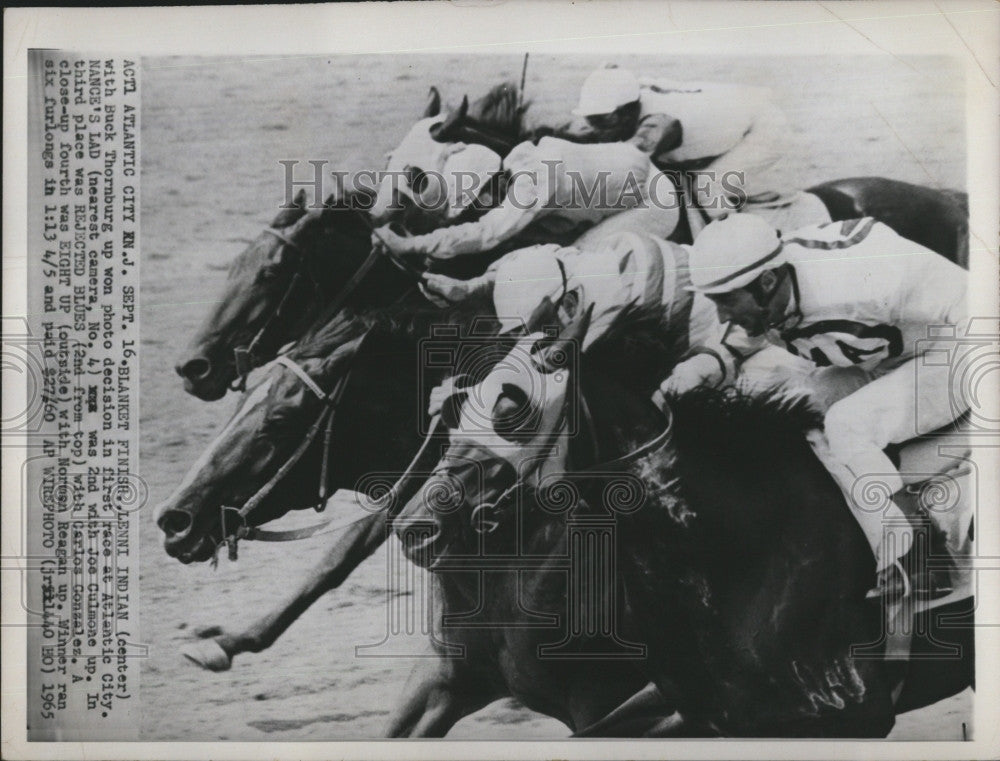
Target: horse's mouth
(197,544)
(203,549)
(423,542)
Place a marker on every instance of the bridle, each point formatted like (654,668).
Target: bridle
(233,520)
(487,517)
(237,527)
(243,356)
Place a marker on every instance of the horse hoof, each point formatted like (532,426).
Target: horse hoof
(208,654)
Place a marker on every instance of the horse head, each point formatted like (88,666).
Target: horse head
(273,291)
(417,187)
(273,420)
(504,431)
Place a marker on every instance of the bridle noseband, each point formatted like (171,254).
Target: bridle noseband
(233,520)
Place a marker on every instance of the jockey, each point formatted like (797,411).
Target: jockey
(859,302)
(624,269)
(554,191)
(619,270)
(727,139)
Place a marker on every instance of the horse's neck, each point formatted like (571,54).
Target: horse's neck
(746,565)
(746,484)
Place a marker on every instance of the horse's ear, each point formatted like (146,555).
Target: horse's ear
(446,131)
(577,330)
(558,354)
(289,214)
(433,107)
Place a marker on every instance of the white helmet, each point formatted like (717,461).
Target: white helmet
(524,278)
(731,252)
(605,90)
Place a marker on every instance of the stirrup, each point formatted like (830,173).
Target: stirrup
(884,589)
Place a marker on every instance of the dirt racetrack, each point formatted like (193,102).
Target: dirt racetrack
(213,131)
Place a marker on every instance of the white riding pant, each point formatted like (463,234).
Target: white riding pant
(865,411)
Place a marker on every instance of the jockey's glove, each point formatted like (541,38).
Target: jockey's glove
(699,370)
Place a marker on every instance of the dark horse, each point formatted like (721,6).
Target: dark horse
(744,571)
(499,626)
(304,264)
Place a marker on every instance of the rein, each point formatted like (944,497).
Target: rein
(243,355)
(236,527)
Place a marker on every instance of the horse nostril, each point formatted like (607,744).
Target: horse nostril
(195,369)
(174,522)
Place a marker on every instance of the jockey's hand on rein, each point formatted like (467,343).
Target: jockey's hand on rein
(439,394)
(699,370)
(433,297)
(444,290)
(386,237)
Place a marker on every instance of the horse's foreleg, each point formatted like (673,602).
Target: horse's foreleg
(435,698)
(633,718)
(219,647)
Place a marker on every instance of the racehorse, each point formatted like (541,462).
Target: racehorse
(311,262)
(276,288)
(299,424)
(743,569)
(254,461)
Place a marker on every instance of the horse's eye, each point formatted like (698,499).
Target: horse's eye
(418,178)
(512,412)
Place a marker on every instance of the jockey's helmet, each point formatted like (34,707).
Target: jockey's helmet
(732,252)
(523,279)
(606,90)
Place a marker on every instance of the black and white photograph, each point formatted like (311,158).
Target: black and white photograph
(540,391)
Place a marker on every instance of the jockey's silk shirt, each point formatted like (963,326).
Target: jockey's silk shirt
(865,297)
(883,322)
(726,129)
(556,187)
(625,269)
(714,117)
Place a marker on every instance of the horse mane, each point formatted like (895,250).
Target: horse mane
(639,348)
(416,320)
(733,424)
(500,109)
